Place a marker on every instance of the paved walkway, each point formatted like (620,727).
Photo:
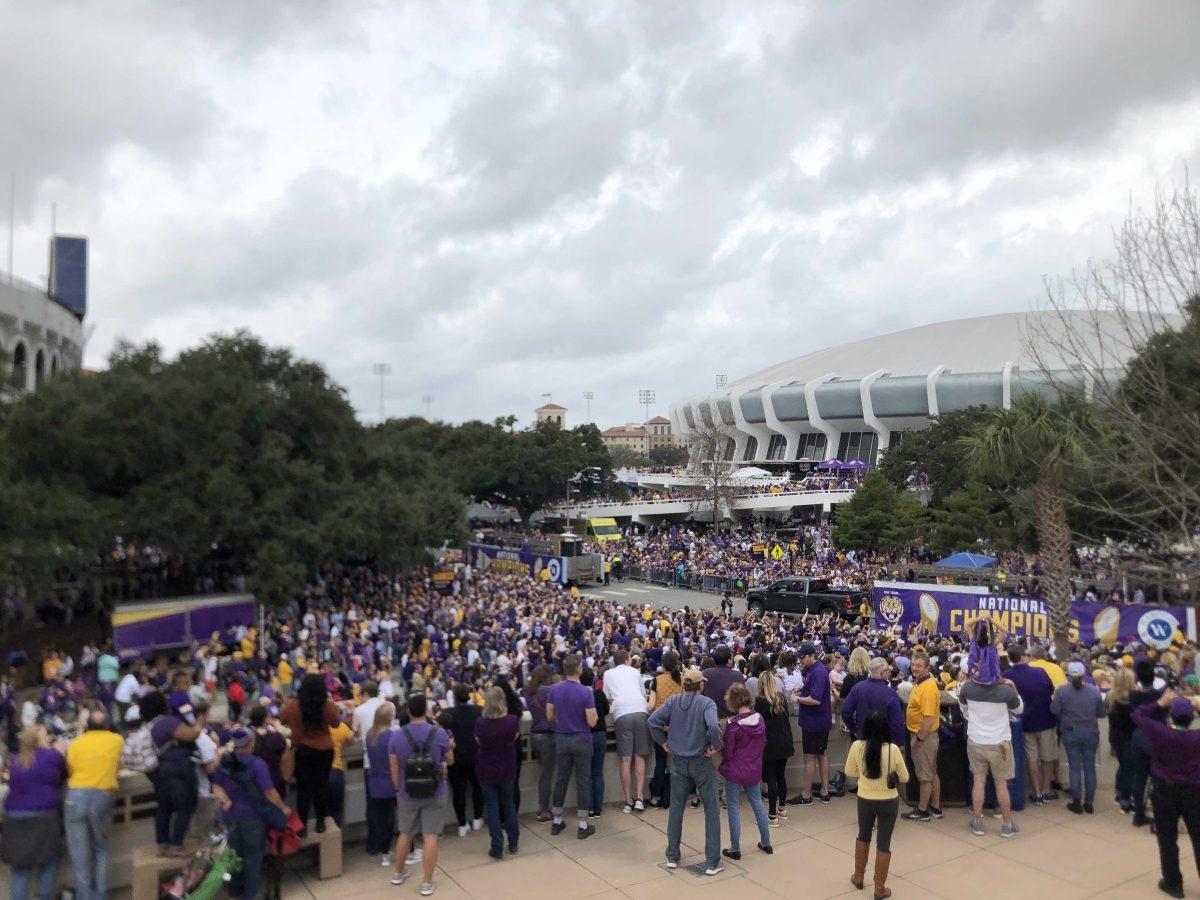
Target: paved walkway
(1057,855)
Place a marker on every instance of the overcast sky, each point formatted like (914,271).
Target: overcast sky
(511,199)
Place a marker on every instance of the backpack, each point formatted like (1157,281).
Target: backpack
(420,771)
(235,692)
(239,771)
(140,754)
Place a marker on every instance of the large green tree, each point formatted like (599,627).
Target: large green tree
(233,443)
(972,515)
(934,452)
(879,517)
(1036,444)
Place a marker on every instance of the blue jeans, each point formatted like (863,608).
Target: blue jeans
(43,877)
(501,816)
(599,748)
(1081,755)
(88,818)
(733,802)
(249,838)
(688,774)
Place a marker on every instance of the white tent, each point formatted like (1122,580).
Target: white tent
(751,472)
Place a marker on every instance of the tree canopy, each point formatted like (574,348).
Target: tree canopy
(242,446)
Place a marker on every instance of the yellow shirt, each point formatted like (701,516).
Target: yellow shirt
(285,672)
(892,760)
(93,759)
(50,669)
(925,700)
(339,734)
(1057,676)
(247,646)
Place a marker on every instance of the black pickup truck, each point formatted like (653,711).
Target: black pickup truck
(799,595)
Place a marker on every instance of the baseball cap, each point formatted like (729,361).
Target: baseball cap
(241,737)
(1076,669)
(692,675)
(808,648)
(1181,708)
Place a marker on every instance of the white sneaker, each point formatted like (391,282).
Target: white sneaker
(670,864)
(427,888)
(385,860)
(627,809)
(415,857)
(400,877)
(464,830)
(638,805)
(477,824)
(717,871)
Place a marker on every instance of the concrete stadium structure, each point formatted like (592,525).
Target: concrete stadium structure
(40,336)
(856,400)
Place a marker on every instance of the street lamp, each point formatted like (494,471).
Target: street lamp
(646,399)
(381,371)
(575,479)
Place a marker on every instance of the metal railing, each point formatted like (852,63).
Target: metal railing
(712,584)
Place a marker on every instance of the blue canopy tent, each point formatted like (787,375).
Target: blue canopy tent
(967,561)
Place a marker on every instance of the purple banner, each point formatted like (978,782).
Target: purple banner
(952,610)
(140,627)
(524,562)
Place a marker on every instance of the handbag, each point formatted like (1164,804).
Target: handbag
(893,779)
(287,764)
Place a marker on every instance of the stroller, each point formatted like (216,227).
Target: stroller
(202,876)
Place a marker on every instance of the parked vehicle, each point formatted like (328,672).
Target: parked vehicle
(800,595)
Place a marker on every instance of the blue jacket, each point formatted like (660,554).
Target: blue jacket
(874,695)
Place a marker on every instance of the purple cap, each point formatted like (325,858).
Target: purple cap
(1181,708)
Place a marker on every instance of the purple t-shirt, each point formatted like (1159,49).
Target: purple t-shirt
(242,807)
(718,680)
(816,685)
(571,700)
(379,771)
(38,788)
(496,758)
(401,748)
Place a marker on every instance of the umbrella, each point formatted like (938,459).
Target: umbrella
(967,561)
(856,464)
(831,464)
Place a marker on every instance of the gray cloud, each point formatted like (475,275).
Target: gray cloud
(503,200)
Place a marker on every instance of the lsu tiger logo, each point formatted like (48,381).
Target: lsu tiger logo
(891,608)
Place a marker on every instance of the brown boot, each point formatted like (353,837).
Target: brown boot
(861,850)
(882,862)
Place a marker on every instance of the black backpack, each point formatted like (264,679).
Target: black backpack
(420,771)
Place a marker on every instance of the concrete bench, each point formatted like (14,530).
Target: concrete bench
(149,865)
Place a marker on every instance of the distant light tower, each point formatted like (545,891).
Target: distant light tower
(722,382)
(589,396)
(382,371)
(646,399)
(427,399)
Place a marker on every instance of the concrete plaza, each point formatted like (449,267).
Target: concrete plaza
(1056,855)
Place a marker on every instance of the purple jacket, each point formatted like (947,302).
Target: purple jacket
(745,739)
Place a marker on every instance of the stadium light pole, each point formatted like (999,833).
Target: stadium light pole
(588,397)
(722,381)
(427,399)
(646,398)
(381,371)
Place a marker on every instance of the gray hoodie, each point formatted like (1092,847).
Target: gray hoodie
(691,719)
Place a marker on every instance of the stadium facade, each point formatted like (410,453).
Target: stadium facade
(41,329)
(856,400)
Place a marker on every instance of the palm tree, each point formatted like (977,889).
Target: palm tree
(1036,442)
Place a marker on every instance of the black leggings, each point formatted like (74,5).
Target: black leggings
(775,775)
(881,812)
(312,781)
(462,776)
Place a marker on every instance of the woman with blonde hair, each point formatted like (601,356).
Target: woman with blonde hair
(780,747)
(381,792)
(32,843)
(856,671)
(496,732)
(1120,734)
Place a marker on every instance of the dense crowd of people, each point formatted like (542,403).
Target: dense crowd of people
(431,685)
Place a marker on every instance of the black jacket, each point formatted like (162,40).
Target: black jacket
(779,731)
